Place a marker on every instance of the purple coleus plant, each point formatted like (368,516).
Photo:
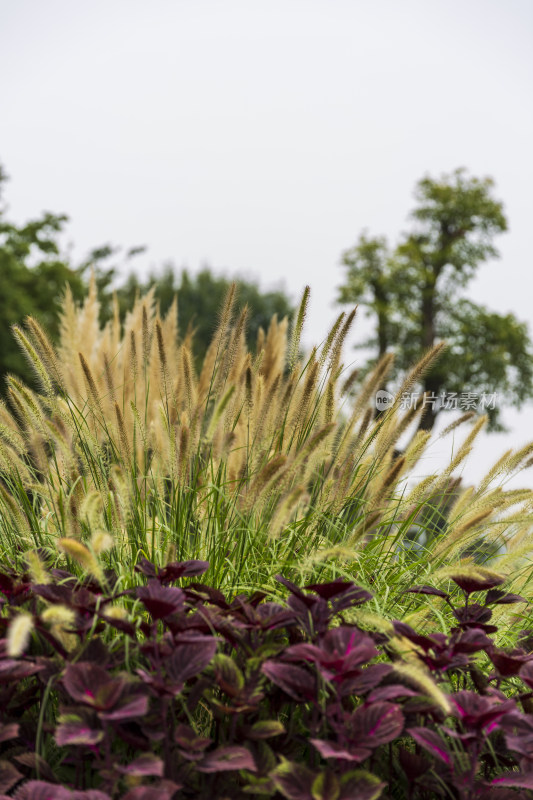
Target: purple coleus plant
(196,694)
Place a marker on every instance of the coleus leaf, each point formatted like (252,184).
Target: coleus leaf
(503,598)
(293,780)
(146,568)
(161,601)
(192,654)
(526,673)
(190,745)
(200,592)
(471,584)
(266,729)
(130,709)
(182,569)
(295,681)
(480,712)
(326,786)
(431,742)
(340,651)
(225,759)
(520,780)
(35,762)
(345,594)
(509,664)
(77,733)
(9,731)
(328,749)
(91,685)
(164,790)
(413,764)
(15,670)
(331,589)
(147,764)
(42,790)
(228,675)
(374,724)
(360,785)
(390,692)
(9,776)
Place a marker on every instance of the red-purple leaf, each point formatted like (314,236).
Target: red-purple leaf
(147,764)
(328,749)
(161,601)
(35,762)
(9,776)
(526,673)
(328,590)
(522,780)
(9,731)
(190,745)
(15,670)
(509,664)
(42,790)
(413,764)
(469,585)
(344,594)
(182,569)
(480,712)
(164,790)
(294,781)
(295,681)
(431,742)
(375,724)
(146,568)
(135,707)
(77,733)
(338,653)
(191,655)
(226,759)
(91,685)
(391,692)
(497,596)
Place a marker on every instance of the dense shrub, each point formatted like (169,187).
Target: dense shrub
(170,689)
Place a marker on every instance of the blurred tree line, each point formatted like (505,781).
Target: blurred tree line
(414,291)
(34,273)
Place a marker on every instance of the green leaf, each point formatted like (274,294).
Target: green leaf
(326,787)
(360,784)
(228,675)
(266,729)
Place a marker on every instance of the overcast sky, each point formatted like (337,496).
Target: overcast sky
(263,137)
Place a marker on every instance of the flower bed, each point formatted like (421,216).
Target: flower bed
(172,690)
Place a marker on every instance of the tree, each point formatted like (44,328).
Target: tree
(32,279)
(200,299)
(33,276)
(414,293)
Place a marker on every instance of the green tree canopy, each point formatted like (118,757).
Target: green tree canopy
(33,276)
(200,298)
(414,293)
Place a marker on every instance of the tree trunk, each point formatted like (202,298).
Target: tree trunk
(430,383)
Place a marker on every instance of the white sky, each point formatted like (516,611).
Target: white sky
(262,137)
